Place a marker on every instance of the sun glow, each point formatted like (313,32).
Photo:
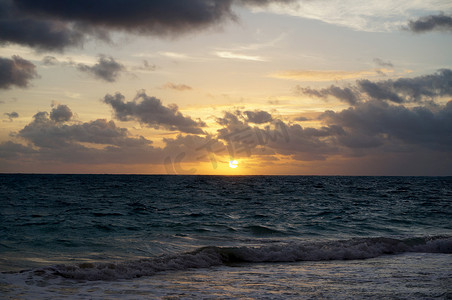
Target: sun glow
(233,164)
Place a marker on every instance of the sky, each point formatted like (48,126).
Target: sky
(296,87)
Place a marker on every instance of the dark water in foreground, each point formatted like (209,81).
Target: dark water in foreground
(127,236)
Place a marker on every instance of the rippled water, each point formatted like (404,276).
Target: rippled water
(71,228)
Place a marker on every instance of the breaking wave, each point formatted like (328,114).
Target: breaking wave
(205,257)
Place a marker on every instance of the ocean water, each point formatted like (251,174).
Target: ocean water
(226,237)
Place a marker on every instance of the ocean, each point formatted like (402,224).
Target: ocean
(225,237)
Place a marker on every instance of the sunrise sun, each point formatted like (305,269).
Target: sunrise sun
(233,164)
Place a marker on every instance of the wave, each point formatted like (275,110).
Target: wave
(358,248)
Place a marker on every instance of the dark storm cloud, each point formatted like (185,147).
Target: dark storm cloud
(17,26)
(439,22)
(12,115)
(258,116)
(150,111)
(382,90)
(374,123)
(410,89)
(57,24)
(347,95)
(402,90)
(61,113)
(107,68)
(16,71)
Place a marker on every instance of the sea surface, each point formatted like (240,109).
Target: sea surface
(225,237)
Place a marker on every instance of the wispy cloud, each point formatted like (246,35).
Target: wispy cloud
(371,15)
(175,55)
(239,56)
(178,87)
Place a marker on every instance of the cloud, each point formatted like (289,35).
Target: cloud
(258,116)
(12,115)
(347,94)
(231,55)
(231,118)
(276,137)
(439,22)
(58,24)
(150,111)
(16,72)
(374,123)
(29,29)
(371,128)
(381,63)
(53,132)
(107,68)
(62,113)
(370,16)
(307,144)
(402,90)
(50,61)
(410,89)
(371,131)
(95,142)
(146,66)
(177,87)
(10,150)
